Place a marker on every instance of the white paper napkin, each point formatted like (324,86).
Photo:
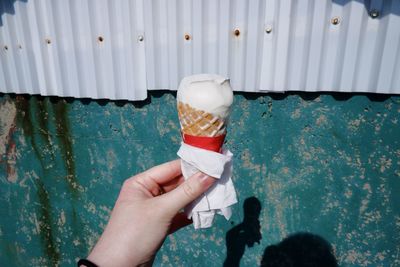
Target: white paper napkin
(222,195)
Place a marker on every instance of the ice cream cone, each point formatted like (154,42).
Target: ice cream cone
(198,122)
(204,103)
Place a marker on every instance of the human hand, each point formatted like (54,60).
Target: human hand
(146,211)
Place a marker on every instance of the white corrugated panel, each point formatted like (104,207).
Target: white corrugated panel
(78,48)
(119,49)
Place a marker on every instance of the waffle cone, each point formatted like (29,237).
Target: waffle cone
(198,122)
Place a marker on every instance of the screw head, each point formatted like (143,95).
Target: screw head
(335,20)
(100,39)
(236,32)
(140,38)
(268,29)
(48,41)
(374,13)
(187,37)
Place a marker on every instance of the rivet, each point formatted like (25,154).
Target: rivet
(335,20)
(48,41)
(100,39)
(140,38)
(5,47)
(268,29)
(187,37)
(236,32)
(374,13)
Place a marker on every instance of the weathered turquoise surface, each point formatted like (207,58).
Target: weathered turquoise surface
(325,165)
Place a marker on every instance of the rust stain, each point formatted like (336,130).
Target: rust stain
(45,224)
(45,230)
(43,121)
(23,119)
(32,116)
(65,140)
(26,111)
(63,134)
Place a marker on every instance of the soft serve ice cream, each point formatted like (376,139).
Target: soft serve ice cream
(204,103)
(210,93)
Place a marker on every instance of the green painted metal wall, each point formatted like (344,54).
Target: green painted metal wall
(325,164)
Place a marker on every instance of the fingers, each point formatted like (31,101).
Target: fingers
(188,191)
(179,221)
(151,181)
(163,173)
(171,185)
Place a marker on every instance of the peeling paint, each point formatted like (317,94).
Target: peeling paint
(8,155)
(7,123)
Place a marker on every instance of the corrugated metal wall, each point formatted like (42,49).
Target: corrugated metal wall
(119,49)
(73,48)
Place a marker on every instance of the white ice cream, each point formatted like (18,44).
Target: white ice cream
(209,92)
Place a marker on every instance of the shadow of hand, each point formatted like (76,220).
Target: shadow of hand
(247,233)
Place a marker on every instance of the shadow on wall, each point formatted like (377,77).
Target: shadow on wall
(137,104)
(310,96)
(247,233)
(300,250)
(297,250)
(383,8)
(7,6)
(306,96)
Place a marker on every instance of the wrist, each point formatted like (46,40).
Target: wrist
(86,263)
(105,257)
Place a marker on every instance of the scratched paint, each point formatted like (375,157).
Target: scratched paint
(326,164)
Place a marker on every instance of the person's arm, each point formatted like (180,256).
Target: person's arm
(146,211)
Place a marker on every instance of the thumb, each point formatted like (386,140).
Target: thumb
(187,192)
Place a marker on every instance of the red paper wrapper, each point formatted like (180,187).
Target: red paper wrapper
(209,143)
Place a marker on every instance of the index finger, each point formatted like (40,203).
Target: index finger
(164,173)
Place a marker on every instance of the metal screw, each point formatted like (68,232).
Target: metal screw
(140,38)
(187,37)
(374,13)
(100,39)
(335,20)
(236,32)
(48,41)
(268,29)
(5,47)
